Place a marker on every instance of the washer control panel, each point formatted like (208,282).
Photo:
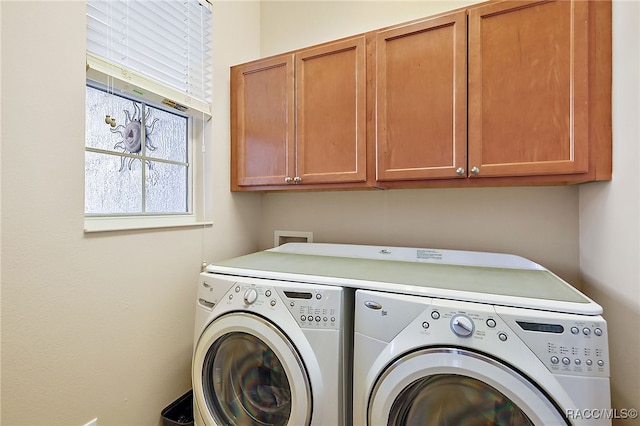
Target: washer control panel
(311,306)
(315,307)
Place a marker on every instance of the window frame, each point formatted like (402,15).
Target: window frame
(121,80)
(198,128)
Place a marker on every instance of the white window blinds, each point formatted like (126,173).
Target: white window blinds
(162,46)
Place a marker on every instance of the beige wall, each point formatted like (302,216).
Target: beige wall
(610,217)
(97,325)
(589,234)
(538,223)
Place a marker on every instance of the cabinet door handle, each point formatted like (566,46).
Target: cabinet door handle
(297,179)
(460,171)
(288,179)
(475,170)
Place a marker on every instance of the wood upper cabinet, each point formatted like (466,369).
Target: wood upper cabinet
(528,88)
(421,98)
(262,122)
(501,93)
(331,119)
(535,96)
(300,119)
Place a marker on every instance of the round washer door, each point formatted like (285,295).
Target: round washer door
(458,387)
(247,372)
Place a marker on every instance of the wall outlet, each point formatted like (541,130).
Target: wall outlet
(93,422)
(283,237)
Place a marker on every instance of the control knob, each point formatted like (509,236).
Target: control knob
(250,296)
(462,325)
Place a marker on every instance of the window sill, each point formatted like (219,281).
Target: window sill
(134,223)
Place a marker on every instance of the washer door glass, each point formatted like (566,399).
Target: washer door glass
(449,399)
(247,384)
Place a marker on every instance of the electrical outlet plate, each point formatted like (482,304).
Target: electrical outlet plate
(282,237)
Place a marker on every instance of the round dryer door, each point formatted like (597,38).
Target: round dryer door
(451,386)
(247,372)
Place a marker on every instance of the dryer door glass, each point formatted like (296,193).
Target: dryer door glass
(247,384)
(456,386)
(449,399)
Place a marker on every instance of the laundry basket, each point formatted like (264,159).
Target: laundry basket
(180,412)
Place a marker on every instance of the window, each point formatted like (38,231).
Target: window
(148,98)
(137,157)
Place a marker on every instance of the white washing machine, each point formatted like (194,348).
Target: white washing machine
(270,352)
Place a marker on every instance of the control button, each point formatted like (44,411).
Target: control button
(589,362)
(333,319)
(575,330)
(292,304)
(325,319)
(597,332)
(491,323)
(566,361)
(435,315)
(318,296)
(577,361)
(586,331)
(600,363)
(267,293)
(425,325)
(317,319)
(273,302)
(231,297)
(502,337)
(554,360)
(237,289)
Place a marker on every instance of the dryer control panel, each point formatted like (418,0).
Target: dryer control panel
(567,344)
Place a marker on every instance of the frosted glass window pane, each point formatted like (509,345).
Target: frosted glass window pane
(168,135)
(139,163)
(166,188)
(99,105)
(107,189)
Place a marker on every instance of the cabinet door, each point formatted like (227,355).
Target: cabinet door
(528,88)
(421,100)
(262,122)
(331,113)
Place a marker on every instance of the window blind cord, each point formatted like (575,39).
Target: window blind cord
(203,196)
(203,153)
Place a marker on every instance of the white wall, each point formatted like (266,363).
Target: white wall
(97,325)
(610,216)
(589,234)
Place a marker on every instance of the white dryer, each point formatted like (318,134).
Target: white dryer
(492,339)
(270,352)
(427,361)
